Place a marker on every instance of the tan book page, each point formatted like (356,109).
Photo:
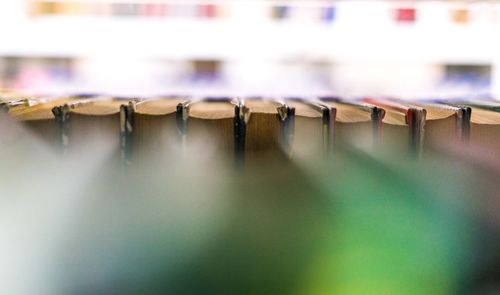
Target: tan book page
(394,117)
(154,135)
(7,95)
(211,110)
(40,110)
(262,135)
(441,131)
(309,137)
(347,113)
(215,135)
(304,110)
(158,106)
(481,116)
(437,112)
(262,106)
(99,108)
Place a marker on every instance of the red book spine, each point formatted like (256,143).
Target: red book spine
(407,15)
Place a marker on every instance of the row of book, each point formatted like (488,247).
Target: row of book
(456,15)
(313,11)
(273,229)
(185,226)
(258,127)
(173,10)
(153,9)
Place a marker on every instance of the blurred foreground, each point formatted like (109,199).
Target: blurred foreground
(358,222)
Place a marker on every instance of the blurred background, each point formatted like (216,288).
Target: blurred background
(289,47)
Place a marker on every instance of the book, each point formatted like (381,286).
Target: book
(9,95)
(35,115)
(313,129)
(485,128)
(445,123)
(460,15)
(90,122)
(268,129)
(356,122)
(403,128)
(429,124)
(210,124)
(406,15)
(149,127)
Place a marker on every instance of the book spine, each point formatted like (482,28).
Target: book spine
(377,116)
(240,124)
(463,124)
(329,115)
(182,116)
(126,131)
(62,117)
(286,116)
(415,118)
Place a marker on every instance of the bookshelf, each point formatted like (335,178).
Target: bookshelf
(419,35)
